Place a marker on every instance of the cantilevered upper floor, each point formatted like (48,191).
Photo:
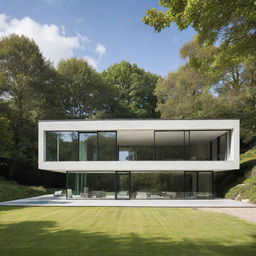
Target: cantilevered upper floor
(138,145)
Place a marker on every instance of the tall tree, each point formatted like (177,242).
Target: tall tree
(23,70)
(82,92)
(230,23)
(193,90)
(133,88)
(23,75)
(233,83)
(184,94)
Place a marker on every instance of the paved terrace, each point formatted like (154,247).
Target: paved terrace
(50,200)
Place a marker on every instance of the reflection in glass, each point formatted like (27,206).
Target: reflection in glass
(157,185)
(76,185)
(90,185)
(123,185)
(200,145)
(190,184)
(131,153)
(204,184)
(223,147)
(88,146)
(107,148)
(68,146)
(51,146)
(169,145)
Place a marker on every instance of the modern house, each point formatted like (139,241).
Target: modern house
(139,159)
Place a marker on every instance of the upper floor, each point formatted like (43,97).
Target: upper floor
(137,144)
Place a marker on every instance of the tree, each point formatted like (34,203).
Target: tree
(6,137)
(202,83)
(184,94)
(82,92)
(233,83)
(23,78)
(230,23)
(22,74)
(133,90)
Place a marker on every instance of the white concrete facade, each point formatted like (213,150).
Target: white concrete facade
(232,162)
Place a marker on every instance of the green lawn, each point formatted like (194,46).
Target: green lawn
(50,231)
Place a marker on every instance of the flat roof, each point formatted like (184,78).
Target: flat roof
(156,119)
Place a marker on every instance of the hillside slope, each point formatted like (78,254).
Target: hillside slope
(10,190)
(245,184)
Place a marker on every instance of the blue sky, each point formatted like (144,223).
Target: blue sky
(102,31)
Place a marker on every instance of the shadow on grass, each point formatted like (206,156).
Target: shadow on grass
(44,238)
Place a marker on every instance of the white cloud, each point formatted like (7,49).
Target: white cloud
(51,39)
(92,61)
(100,50)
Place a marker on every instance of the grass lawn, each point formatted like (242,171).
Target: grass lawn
(10,190)
(50,231)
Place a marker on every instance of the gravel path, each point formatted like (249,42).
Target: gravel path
(248,214)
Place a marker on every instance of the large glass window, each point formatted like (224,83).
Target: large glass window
(130,153)
(68,146)
(90,185)
(200,145)
(61,146)
(198,184)
(190,179)
(204,184)
(107,148)
(51,146)
(135,145)
(222,154)
(169,145)
(208,145)
(163,185)
(88,146)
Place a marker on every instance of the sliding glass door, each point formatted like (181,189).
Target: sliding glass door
(88,146)
(123,185)
(198,184)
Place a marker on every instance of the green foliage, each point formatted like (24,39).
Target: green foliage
(82,92)
(228,85)
(245,184)
(6,137)
(10,190)
(32,89)
(133,90)
(248,155)
(23,74)
(184,94)
(230,23)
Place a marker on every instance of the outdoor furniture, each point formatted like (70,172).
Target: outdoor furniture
(155,196)
(171,194)
(69,193)
(141,195)
(57,193)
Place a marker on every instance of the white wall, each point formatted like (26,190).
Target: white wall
(232,162)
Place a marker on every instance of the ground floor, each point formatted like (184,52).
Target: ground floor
(132,185)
